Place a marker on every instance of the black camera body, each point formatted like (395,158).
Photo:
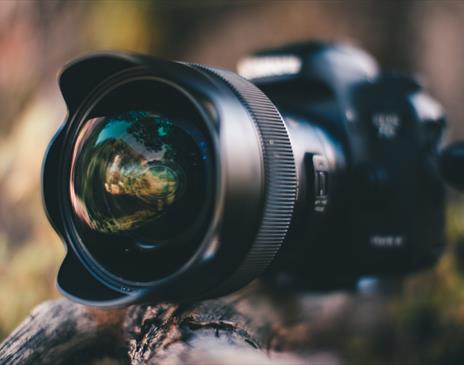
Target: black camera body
(378,206)
(173,181)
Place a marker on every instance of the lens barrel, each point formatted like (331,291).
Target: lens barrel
(167,181)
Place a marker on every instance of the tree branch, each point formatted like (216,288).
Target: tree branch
(250,327)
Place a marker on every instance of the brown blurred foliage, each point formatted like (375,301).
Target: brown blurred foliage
(38,37)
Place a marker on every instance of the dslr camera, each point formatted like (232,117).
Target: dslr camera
(171,181)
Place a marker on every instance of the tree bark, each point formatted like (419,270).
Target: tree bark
(253,326)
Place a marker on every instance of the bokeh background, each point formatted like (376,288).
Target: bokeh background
(421,321)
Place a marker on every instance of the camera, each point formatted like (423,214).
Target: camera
(179,182)
(375,197)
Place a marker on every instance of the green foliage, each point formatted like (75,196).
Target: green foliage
(27,277)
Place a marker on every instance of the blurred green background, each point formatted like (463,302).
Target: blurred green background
(422,321)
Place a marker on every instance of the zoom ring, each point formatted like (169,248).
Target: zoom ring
(280,180)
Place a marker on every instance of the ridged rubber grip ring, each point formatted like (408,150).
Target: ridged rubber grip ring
(280,179)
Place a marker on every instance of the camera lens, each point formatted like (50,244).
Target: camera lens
(167,181)
(134,172)
(140,171)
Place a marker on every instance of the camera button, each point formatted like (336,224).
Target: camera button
(321,180)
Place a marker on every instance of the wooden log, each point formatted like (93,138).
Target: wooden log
(254,326)
(62,332)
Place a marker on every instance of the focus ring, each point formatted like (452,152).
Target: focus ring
(280,180)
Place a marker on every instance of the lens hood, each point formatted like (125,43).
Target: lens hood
(251,196)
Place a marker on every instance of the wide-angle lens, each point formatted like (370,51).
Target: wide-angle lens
(133,169)
(167,180)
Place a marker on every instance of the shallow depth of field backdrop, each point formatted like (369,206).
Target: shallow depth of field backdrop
(425,314)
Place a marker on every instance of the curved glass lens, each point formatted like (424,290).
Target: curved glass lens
(139,174)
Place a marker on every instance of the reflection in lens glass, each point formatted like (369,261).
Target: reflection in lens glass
(131,169)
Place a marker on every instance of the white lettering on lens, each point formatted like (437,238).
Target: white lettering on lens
(386,241)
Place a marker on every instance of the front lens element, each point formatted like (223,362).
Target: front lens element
(136,169)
